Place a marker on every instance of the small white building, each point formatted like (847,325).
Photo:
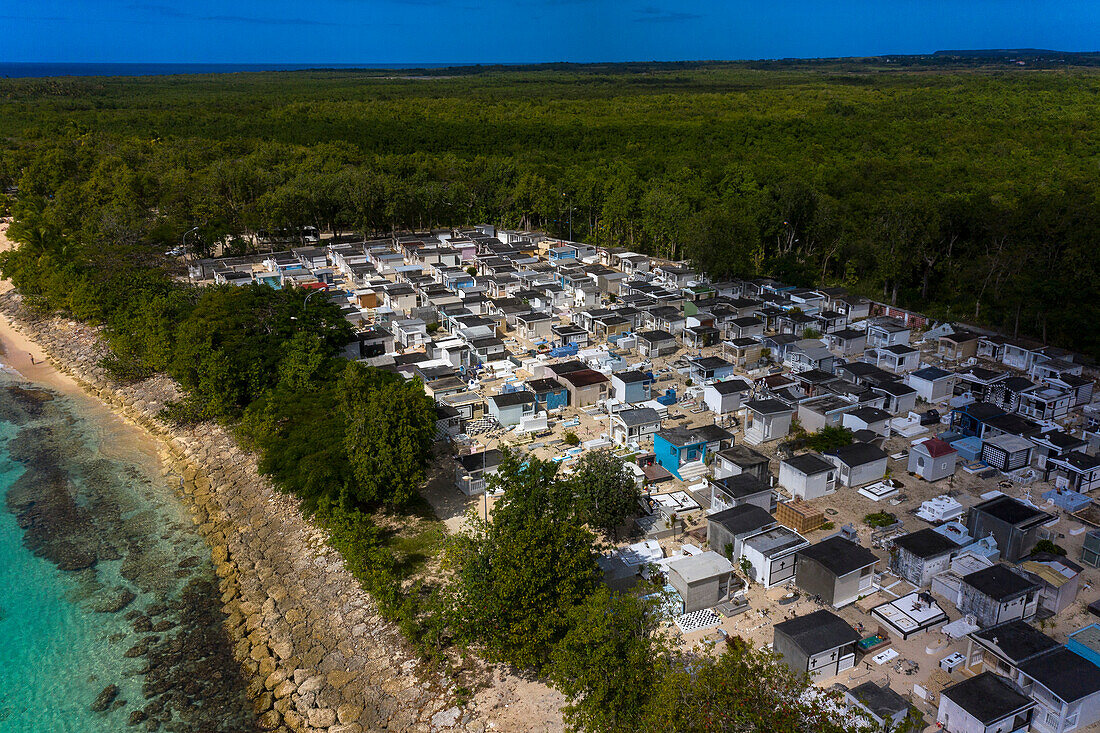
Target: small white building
(473,471)
(534,326)
(723,398)
(823,411)
(738,490)
(932,383)
(808,476)
(910,614)
(741,459)
(986,703)
(900,398)
(638,425)
(859,463)
(586,296)
(886,331)
(867,418)
(766,420)
(898,358)
(940,509)
(703,580)
(847,341)
(410,333)
(772,555)
(631,386)
(1066,684)
(932,459)
(511,408)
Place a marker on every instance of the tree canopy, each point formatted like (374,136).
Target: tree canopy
(526,590)
(606,494)
(520,575)
(390,425)
(966,193)
(608,661)
(742,689)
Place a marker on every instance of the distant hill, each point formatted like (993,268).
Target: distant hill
(1033,57)
(1017,52)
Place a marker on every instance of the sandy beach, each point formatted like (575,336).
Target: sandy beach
(27,358)
(22,354)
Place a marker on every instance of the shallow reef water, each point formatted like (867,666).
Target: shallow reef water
(110,613)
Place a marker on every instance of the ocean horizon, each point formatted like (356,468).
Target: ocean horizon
(34,69)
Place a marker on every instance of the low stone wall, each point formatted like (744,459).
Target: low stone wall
(318,655)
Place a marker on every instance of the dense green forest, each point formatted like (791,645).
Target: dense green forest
(968,193)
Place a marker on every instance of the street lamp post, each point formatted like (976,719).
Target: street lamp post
(305,303)
(566,197)
(484,486)
(183,244)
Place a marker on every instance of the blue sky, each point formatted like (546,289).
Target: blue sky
(486,31)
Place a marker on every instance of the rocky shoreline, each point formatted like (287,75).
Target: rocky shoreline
(315,651)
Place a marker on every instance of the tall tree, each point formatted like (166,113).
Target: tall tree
(608,662)
(741,690)
(390,425)
(519,576)
(606,493)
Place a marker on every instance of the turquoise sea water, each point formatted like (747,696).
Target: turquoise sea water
(103,581)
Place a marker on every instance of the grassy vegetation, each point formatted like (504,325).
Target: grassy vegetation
(415,548)
(387,565)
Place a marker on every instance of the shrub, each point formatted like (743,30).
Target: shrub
(359,541)
(880,519)
(1048,547)
(746,568)
(829,437)
(518,577)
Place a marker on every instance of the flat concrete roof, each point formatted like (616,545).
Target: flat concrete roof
(694,568)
